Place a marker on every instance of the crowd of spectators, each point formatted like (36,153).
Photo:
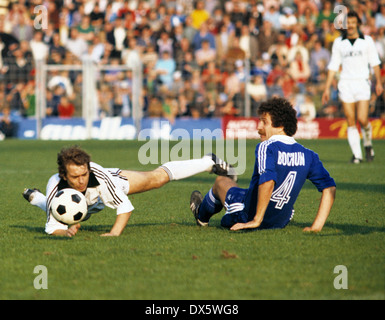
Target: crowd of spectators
(200,58)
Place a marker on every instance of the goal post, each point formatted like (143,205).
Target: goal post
(89,101)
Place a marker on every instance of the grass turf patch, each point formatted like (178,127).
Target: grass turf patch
(162,254)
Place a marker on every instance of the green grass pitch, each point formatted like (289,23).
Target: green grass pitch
(162,254)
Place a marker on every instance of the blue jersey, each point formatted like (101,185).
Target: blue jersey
(289,164)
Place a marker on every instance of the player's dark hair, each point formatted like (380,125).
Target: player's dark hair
(352,14)
(282,114)
(71,155)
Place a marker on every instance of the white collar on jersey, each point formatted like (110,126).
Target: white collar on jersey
(283,138)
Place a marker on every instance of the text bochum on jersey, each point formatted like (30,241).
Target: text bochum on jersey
(291,159)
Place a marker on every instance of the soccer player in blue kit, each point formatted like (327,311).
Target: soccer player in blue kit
(281,168)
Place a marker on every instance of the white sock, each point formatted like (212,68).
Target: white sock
(39,200)
(355,142)
(178,170)
(367,135)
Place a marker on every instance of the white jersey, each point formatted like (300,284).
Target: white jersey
(105,188)
(355,59)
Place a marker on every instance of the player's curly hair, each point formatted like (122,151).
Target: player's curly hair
(73,154)
(282,114)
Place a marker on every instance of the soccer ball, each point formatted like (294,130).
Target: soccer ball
(69,206)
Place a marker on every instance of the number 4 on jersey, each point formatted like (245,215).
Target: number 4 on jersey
(282,195)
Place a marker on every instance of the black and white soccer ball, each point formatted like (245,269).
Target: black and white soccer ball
(69,206)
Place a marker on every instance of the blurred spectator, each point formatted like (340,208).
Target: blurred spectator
(77,45)
(319,59)
(170,108)
(287,19)
(18,67)
(199,15)
(234,53)
(380,17)
(97,17)
(177,86)
(119,34)
(256,88)
(56,47)
(303,4)
(165,43)
(23,30)
(39,49)
(28,96)
(131,55)
(267,37)
(165,67)
(306,108)
(149,58)
(7,41)
(155,108)
(234,89)
(203,34)
(62,80)
(298,47)
(146,38)
(279,52)
(330,34)
(379,40)
(262,67)
(326,14)
(248,43)
(188,30)
(307,18)
(205,54)
(53,100)
(66,109)
(223,41)
(86,30)
(273,16)
(299,70)
(272,80)
(189,65)
(14,100)
(8,127)
(98,48)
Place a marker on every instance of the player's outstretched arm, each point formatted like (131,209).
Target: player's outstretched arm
(326,203)
(119,225)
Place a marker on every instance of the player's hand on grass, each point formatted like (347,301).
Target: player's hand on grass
(109,234)
(249,225)
(72,230)
(311,229)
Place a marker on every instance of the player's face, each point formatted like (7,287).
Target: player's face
(266,129)
(77,176)
(352,26)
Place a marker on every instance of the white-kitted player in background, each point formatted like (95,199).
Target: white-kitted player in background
(355,53)
(110,187)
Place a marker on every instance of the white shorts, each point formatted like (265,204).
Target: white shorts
(354,90)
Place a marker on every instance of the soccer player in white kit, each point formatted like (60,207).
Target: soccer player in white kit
(355,53)
(110,186)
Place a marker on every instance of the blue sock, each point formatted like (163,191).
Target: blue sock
(209,206)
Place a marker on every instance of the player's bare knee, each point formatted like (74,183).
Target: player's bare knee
(160,178)
(222,184)
(363,121)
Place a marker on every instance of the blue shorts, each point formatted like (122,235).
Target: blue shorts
(236,213)
(234,205)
